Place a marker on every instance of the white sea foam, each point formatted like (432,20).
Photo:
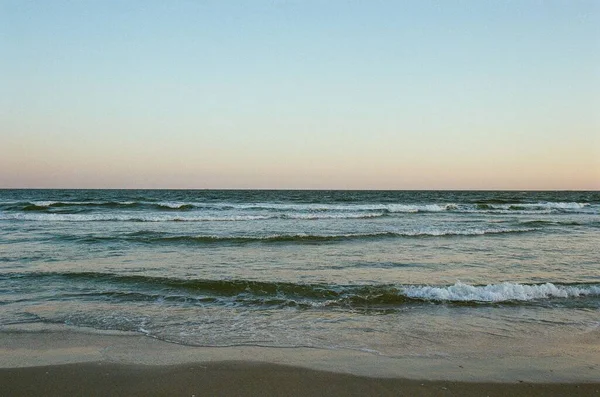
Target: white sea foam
(308,216)
(419,208)
(465,232)
(44,203)
(498,292)
(560,205)
(511,211)
(172,204)
(540,206)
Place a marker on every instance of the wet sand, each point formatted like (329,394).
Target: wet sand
(247,379)
(67,362)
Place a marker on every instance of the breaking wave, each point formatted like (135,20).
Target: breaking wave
(460,292)
(261,293)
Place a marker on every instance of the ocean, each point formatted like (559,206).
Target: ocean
(393,273)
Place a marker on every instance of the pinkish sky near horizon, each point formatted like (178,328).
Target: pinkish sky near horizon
(300,94)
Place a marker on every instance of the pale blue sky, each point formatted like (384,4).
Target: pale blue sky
(300,94)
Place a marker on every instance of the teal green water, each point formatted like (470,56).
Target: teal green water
(333,269)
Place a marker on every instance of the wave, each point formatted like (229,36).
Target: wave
(165,238)
(541,223)
(534,206)
(291,210)
(498,201)
(403,208)
(252,293)
(460,292)
(169,205)
(311,216)
(154,217)
(58,204)
(49,205)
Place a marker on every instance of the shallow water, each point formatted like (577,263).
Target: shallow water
(397,272)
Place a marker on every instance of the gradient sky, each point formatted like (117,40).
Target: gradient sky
(300,94)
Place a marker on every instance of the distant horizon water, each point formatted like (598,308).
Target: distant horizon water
(302,189)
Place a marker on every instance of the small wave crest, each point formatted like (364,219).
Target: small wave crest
(311,216)
(168,205)
(460,292)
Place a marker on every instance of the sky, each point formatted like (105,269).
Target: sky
(300,94)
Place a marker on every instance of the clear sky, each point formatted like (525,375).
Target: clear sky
(300,94)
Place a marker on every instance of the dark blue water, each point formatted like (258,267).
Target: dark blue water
(364,270)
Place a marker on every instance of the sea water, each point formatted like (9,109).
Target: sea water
(388,272)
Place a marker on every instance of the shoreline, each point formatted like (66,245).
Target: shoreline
(43,345)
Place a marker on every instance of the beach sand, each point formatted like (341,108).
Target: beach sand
(61,362)
(247,379)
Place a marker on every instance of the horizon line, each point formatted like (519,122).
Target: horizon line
(309,189)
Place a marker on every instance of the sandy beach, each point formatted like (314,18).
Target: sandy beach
(63,362)
(248,379)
